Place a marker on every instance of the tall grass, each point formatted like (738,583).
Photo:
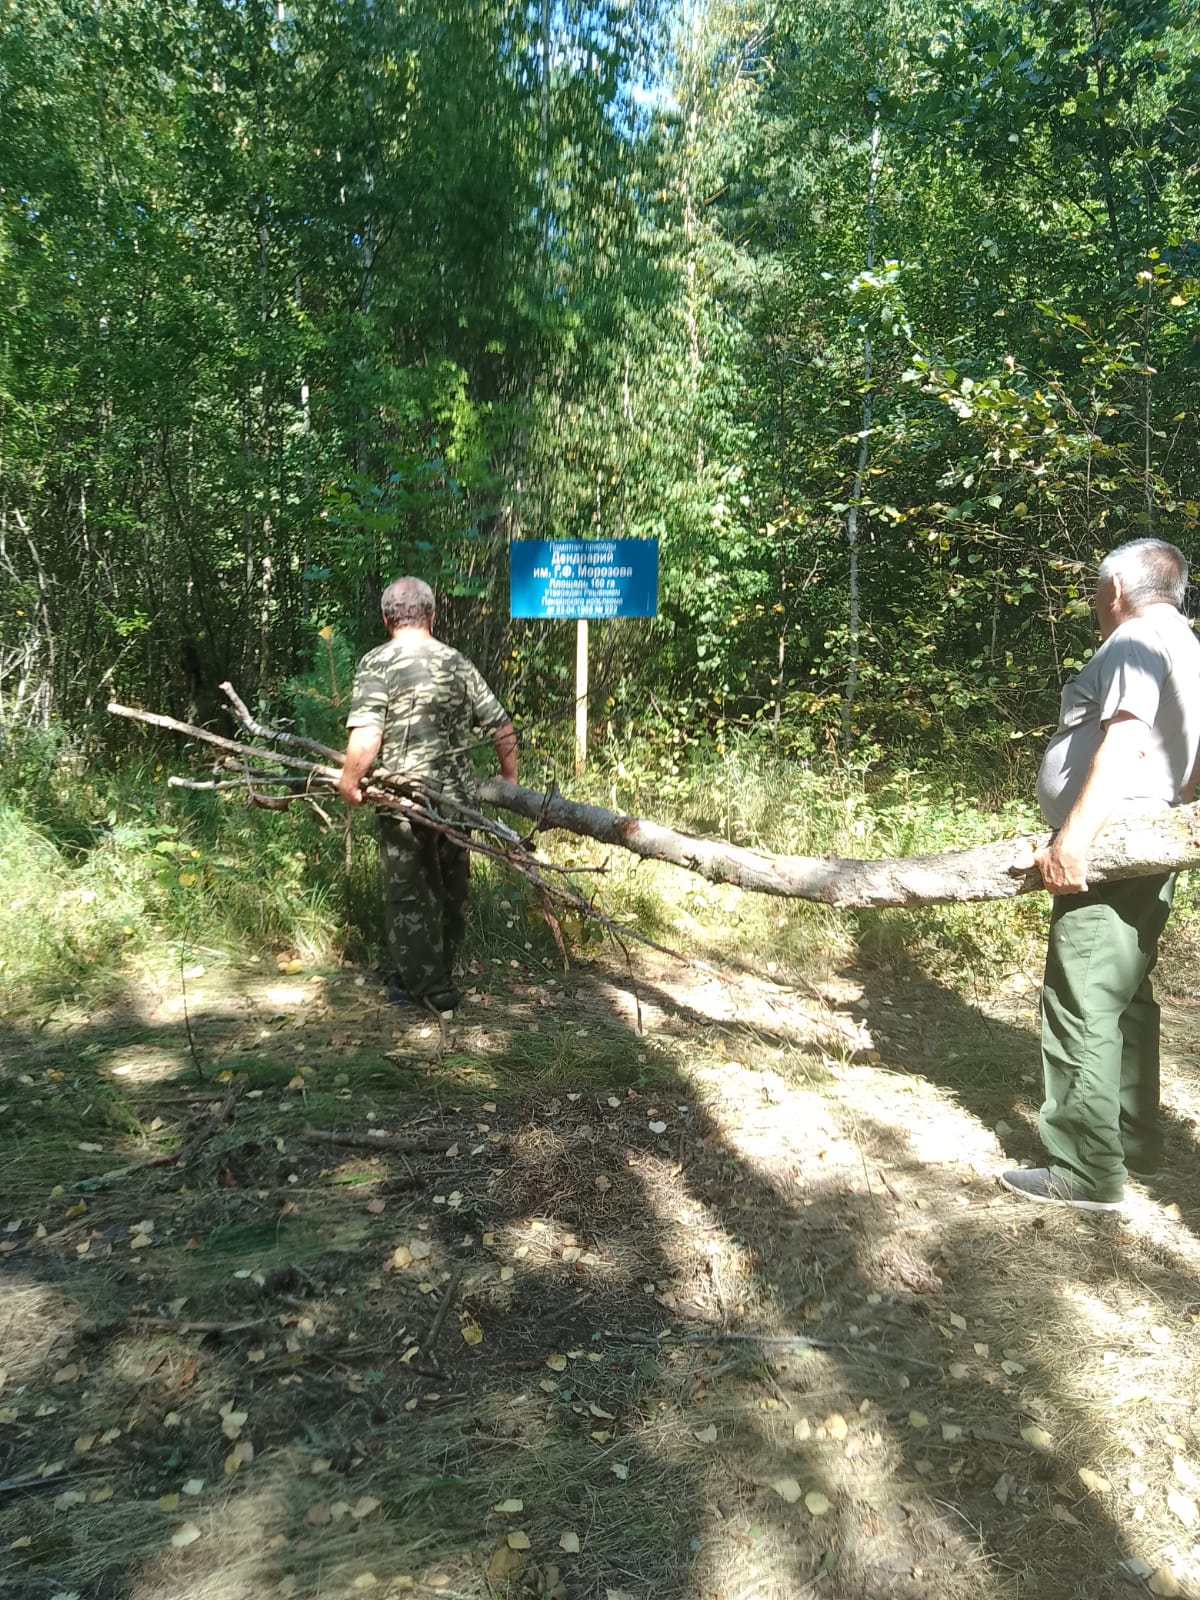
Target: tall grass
(107,871)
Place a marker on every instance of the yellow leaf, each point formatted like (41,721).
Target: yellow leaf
(517,1540)
(187,1533)
(815,1503)
(84,1443)
(363,1506)
(233,1423)
(507,1507)
(325,633)
(836,1426)
(365,1580)
(99,1497)
(1093,1482)
(1163,1582)
(956,1321)
(168,1502)
(557,1363)
(570,1543)
(599,1411)
(1037,1437)
(917,1419)
(504,1565)
(787,1489)
(471,1331)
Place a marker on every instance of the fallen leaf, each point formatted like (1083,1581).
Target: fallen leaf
(557,1363)
(1012,1368)
(982,1349)
(708,1435)
(1161,1335)
(787,1489)
(951,1432)
(1163,1582)
(620,1470)
(1002,1488)
(101,1496)
(363,1506)
(365,1580)
(517,1540)
(320,1465)
(233,1423)
(1183,1506)
(958,1322)
(505,1565)
(507,1507)
(421,1249)
(602,1183)
(168,1502)
(599,1411)
(240,1456)
(1186,1473)
(376,1207)
(959,1369)
(67,1374)
(570,1543)
(1037,1437)
(917,1419)
(507,1274)
(401,1257)
(472,1333)
(815,1503)
(836,1426)
(1093,1482)
(318,1514)
(1060,1514)
(84,1443)
(657,1127)
(192,1486)
(186,1533)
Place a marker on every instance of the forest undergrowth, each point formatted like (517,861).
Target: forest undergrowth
(651,1277)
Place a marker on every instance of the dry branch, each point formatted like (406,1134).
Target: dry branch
(1132,847)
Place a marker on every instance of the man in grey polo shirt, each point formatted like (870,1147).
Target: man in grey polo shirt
(1128,737)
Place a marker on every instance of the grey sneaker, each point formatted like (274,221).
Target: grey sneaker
(1039,1183)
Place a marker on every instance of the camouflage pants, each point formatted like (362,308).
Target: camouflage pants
(426,878)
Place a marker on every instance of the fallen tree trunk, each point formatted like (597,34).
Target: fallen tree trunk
(1134,847)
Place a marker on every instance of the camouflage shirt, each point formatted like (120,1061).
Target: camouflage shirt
(429,701)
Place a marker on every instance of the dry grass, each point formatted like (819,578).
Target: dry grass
(622,1216)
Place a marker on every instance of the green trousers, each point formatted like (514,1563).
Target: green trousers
(1100,1034)
(426,879)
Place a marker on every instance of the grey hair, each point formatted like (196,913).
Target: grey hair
(408,603)
(1150,570)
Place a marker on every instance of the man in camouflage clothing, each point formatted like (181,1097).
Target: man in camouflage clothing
(416,707)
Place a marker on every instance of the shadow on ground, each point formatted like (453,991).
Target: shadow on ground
(717,1306)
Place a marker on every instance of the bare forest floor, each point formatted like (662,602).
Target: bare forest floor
(678,1286)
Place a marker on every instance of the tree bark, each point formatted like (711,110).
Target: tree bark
(1134,847)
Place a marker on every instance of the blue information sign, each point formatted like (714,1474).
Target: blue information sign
(591,578)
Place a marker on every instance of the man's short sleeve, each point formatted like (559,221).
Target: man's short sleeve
(1133,679)
(369,699)
(486,711)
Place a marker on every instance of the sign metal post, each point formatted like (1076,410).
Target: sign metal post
(583,578)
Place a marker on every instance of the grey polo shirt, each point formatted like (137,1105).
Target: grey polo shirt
(1149,667)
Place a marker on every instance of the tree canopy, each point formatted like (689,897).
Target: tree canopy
(885,325)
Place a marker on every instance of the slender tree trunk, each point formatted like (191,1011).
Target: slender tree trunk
(854,642)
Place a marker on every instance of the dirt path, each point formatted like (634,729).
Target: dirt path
(680,1286)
